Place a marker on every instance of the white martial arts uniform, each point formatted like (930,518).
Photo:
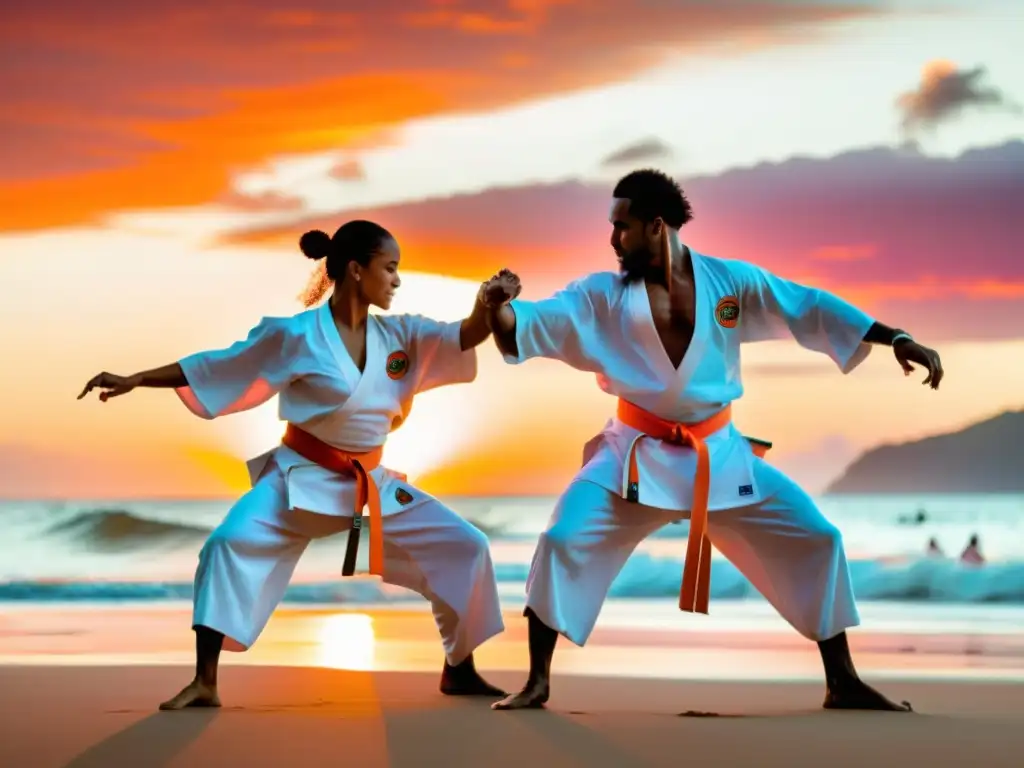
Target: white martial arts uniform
(760,519)
(247,562)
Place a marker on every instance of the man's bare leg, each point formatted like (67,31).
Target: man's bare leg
(202,691)
(845,688)
(538,685)
(464,680)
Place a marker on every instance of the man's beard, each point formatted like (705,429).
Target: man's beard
(634,265)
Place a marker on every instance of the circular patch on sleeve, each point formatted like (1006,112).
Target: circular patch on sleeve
(397,365)
(727,312)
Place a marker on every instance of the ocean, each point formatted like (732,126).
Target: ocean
(145,551)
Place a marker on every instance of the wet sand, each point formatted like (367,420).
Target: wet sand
(96,716)
(80,686)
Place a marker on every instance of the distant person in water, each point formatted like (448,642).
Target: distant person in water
(972,552)
(919,518)
(345,379)
(934,550)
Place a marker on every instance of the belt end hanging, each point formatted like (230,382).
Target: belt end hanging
(348,567)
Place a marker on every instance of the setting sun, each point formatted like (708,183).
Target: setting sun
(347,641)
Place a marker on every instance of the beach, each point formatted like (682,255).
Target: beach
(87,717)
(359,687)
(335,331)
(94,633)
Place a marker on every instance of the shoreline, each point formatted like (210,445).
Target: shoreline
(403,638)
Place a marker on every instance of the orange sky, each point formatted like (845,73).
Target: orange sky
(260,82)
(160,161)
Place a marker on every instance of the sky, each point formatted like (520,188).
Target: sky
(159,162)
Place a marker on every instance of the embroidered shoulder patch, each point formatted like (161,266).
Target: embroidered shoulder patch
(727,312)
(402,496)
(398,365)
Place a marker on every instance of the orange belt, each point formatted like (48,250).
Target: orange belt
(693,595)
(343,463)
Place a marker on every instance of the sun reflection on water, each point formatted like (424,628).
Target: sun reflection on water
(347,641)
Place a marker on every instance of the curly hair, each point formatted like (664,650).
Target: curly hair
(653,194)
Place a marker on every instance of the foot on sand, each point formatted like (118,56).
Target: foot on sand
(195,694)
(464,680)
(859,695)
(533,696)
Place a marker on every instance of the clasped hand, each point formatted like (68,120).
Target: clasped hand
(499,290)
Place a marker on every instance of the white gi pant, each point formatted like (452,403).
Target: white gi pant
(248,560)
(784,546)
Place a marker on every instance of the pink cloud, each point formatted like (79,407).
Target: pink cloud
(265,201)
(348,170)
(931,243)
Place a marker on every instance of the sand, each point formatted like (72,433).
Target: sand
(95,716)
(79,686)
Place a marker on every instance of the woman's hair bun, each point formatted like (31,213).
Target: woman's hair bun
(315,244)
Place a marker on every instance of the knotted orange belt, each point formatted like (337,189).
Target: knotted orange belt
(359,465)
(695,590)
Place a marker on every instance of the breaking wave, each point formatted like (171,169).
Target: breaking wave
(914,580)
(115,529)
(120,530)
(643,577)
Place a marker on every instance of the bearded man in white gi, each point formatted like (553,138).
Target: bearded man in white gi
(664,336)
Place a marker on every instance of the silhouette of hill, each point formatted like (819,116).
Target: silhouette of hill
(987,457)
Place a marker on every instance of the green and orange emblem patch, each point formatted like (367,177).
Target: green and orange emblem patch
(727,312)
(397,365)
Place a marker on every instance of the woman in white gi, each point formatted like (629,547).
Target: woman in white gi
(345,379)
(664,337)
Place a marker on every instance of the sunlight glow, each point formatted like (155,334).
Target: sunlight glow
(440,424)
(347,641)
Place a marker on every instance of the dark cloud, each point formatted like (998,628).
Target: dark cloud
(945,92)
(648,150)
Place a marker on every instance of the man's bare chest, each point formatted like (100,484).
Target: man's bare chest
(673,317)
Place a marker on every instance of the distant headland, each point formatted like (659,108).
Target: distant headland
(986,457)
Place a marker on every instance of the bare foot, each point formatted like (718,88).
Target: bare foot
(464,680)
(195,694)
(859,695)
(533,696)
